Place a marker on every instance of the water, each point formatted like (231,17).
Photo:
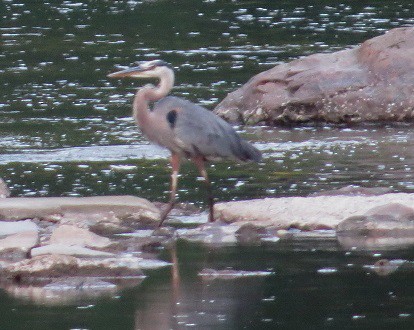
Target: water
(66,131)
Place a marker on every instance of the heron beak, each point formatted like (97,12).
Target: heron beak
(134,72)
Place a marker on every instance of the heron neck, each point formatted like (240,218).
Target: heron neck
(150,93)
(164,86)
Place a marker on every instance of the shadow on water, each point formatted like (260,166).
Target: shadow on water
(67,131)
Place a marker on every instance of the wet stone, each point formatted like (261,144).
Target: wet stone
(389,217)
(216,233)
(250,234)
(229,274)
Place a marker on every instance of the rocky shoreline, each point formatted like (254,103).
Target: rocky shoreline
(102,244)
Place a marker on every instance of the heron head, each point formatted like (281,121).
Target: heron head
(147,69)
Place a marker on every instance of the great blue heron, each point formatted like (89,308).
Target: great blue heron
(186,129)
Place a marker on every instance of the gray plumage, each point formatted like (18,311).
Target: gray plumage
(186,129)
(199,132)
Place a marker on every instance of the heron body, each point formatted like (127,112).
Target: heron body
(186,129)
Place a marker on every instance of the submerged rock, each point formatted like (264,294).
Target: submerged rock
(47,267)
(384,267)
(229,274)
(384,218)
(382,227)
(373,82)
(215,234)
(68,290)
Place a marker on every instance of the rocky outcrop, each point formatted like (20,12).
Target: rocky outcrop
(373,82)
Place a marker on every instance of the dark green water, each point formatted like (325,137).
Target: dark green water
(66,131)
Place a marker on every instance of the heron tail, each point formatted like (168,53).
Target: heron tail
(249,152)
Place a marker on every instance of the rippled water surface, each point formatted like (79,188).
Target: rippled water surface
(66,131)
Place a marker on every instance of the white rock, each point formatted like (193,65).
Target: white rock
(305,212)
(23,241)
(72,235)
(13,227)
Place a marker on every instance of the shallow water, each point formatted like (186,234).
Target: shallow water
(66,131)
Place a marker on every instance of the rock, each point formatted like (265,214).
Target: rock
(71,235)
(249,233)
(306,213)
(51,266)
(396,210)
(230,274)
(386,226)
(4,190)
(127,263)
(43,207)
(13,227)
(67,291)
(380,219)
(385,267)
(354,191)
(43,266)
(70,250)
(23,241)
(215,234)
(373,82)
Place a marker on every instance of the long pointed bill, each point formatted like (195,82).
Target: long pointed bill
(134,72)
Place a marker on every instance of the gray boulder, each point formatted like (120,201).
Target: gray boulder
(382,227)
(373,82)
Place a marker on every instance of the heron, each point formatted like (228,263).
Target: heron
(188,130)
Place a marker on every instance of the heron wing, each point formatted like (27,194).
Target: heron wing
(200,132)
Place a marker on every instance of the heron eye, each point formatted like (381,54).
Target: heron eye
(172,118)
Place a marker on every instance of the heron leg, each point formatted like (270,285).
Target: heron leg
(199,161)
(175,164)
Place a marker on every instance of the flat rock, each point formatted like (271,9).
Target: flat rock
(13,227)
(43,207)
(320,212)
(46,266)
(70,250)
(215,234)
(373,82)
(230,274)
(72,235)
(23,241)
(61,266)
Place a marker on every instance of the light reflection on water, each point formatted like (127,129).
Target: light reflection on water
(66,131)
